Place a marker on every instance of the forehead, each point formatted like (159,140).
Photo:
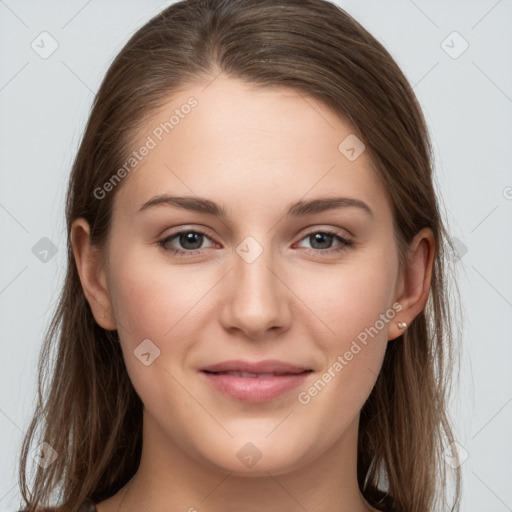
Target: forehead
(244,145)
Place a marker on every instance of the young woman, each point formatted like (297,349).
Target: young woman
(255,311)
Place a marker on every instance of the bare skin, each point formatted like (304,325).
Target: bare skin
(254,152)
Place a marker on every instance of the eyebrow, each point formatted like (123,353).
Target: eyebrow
(298,209)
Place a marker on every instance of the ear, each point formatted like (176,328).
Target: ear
(414,286)
(90,266)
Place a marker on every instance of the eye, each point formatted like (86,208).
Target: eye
(322,241)
(190,240)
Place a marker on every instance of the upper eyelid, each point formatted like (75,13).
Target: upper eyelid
(201,231)
(333,231)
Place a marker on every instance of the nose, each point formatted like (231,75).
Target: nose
(256,300)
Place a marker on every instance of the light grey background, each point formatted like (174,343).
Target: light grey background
(467,101)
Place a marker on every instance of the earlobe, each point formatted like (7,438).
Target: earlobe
(90,267)
(415,281)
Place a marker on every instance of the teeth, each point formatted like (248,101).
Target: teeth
(249,375)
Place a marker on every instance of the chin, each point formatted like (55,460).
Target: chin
(258,457)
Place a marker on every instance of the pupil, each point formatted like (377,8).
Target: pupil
(190,238)
(319,237)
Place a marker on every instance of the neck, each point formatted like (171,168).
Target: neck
(169,478)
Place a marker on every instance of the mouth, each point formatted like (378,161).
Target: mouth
(255,382)
(247,375)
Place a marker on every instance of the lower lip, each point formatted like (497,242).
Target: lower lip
(255,389)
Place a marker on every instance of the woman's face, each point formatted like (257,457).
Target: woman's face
(310,289)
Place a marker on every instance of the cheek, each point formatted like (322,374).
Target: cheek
(356,302)
(353,355)
(153,302)
(164,303)
(153,299)
(351,297)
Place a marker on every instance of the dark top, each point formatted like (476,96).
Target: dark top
(88,506)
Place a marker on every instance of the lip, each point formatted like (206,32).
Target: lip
(255,381)
(266,366)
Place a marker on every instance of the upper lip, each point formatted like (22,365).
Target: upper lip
(266,366)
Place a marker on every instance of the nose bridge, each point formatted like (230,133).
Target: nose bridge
(257,297)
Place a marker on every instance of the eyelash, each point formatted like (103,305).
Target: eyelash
(344,243)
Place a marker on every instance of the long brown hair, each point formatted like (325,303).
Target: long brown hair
(88,410)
